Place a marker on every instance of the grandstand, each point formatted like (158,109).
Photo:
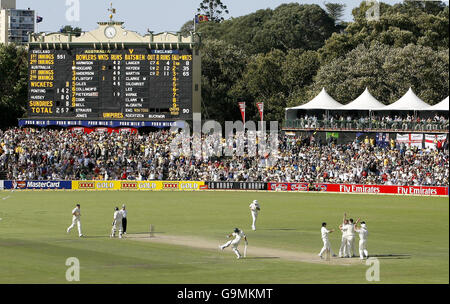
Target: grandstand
(408,114)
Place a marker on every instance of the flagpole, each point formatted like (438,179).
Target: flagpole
(244,117)
(262,115)
(194,23)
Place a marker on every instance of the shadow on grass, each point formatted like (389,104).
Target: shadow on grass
(390,256)
(260,258)
(148,232)
(280,229)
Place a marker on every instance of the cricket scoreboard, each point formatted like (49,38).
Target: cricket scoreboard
(127,83)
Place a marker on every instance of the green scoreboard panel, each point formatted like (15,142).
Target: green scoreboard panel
(131,83)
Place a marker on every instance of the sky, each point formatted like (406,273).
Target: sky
(142,15)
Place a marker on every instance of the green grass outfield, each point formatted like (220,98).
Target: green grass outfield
(410,233)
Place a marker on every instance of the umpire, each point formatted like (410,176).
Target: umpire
(124,219)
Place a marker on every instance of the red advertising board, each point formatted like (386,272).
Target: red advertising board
(365,189)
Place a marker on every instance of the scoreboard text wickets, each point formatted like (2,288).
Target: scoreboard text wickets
(132,83)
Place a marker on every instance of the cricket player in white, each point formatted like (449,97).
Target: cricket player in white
(363,233)
(238,235)
(351,234)
(255,208)
(343,250)
(76,214)
(117,223)
(326,242)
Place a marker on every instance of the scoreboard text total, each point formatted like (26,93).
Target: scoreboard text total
(133,83)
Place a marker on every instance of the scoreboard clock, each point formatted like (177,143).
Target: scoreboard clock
(130,83)
(110,32)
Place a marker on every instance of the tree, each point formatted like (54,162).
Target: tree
(214,9)
(295,26)
(298,70)
(335,10)
(71,30)
(187,28)
(222,66)
(13,84)
(387,71)
(398,25)
(263,81)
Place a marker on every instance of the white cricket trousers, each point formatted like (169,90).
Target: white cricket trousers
(117,226)
(351,245)
(75,221)
(254,216)
(343,250)
(234,247)
(326,245)
(363,249)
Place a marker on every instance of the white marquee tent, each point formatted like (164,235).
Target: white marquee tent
(442,106)
(323,101)
(365,102)
(409,102)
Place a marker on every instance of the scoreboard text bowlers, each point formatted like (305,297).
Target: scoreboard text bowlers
(132,83)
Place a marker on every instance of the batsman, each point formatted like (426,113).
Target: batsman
(238,235)
(117,223)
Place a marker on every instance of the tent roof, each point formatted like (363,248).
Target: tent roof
(364,102)
(409,101)
(442,106)
(323,101)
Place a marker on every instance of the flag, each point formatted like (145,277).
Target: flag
(201,18)
(39,19)
(242,108)
(411,140)
(382,139)
(260,106)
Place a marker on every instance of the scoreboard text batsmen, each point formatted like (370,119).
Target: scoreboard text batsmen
(130,83)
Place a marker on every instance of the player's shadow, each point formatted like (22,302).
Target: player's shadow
(96,236)
(261,258)
(280,229)
(154,232)
(391,256)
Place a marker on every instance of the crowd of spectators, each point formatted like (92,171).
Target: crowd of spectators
(377,121)
(44,154)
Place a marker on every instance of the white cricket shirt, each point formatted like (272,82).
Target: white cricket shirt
(253,206)
(76,212)
(117,216)
(363,233)
(324,231)
(238,236)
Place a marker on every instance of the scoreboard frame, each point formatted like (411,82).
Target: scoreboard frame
(123,41)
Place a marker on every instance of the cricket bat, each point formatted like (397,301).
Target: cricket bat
(245,250)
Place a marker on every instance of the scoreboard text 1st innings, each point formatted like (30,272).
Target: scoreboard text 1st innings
(132,83)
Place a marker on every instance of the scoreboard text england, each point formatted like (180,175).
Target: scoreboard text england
(131,83)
